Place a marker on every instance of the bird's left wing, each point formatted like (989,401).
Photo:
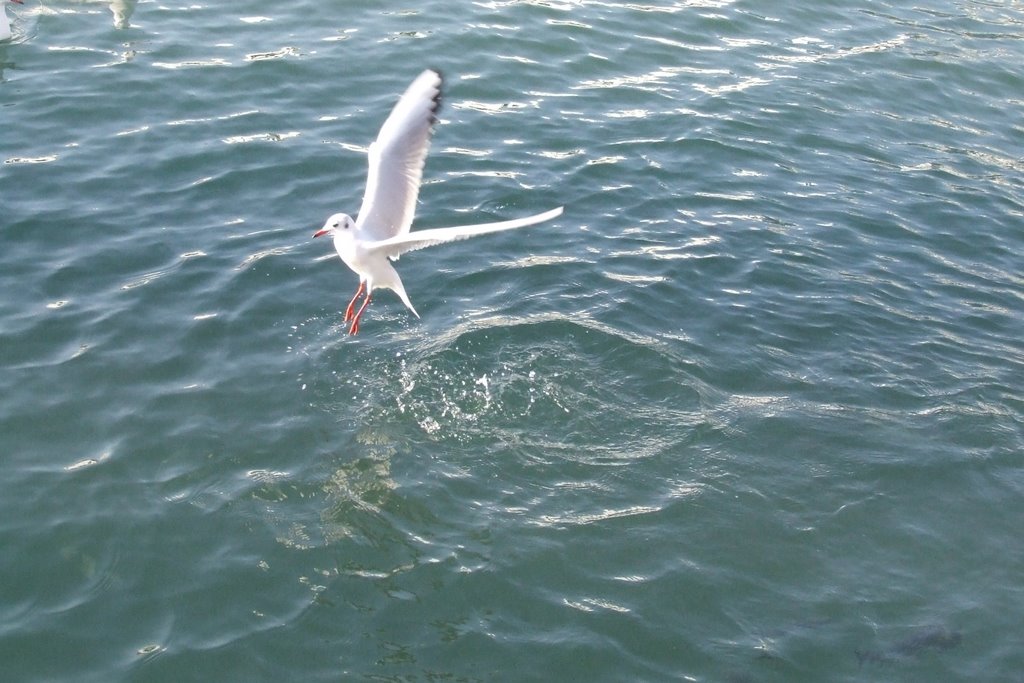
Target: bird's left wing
(420,239)
(396,161)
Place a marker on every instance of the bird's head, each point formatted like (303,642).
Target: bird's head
(336,223)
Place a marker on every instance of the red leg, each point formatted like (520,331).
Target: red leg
(352,304)
(355,321)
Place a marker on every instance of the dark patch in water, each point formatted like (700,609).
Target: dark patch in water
(739,677)
(931,638)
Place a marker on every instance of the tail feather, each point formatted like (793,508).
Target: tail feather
(400,291)
(388,278)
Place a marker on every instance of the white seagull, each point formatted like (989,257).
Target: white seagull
(5,24)
(381,229)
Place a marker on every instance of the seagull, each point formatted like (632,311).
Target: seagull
(381,228)
(5,24)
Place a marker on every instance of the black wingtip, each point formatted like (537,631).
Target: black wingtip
(436,107)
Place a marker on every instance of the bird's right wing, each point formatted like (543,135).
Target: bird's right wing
(396,161)
(420,239)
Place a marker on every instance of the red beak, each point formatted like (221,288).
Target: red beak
(319,233)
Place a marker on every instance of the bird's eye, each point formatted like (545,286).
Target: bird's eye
(335,225)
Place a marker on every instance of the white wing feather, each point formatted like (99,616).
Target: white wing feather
(399,244)
(396,161)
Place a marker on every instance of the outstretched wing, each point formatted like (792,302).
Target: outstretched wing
(396,161)
(399,244)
